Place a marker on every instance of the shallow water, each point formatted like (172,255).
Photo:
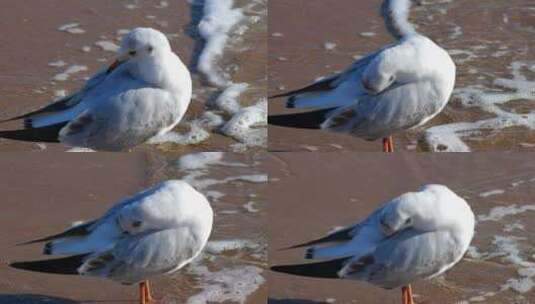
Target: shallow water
(491,43)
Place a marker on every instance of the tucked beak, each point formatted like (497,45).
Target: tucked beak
(366,85)
(387,230)
(118,61)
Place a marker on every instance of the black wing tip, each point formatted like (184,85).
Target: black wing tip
(278,96)
(48,134)
(309,255)
(303,120)
(291,103)
(47,249)
(299,245)
(28,123)
(325,270)
(41,240)
(67,265)
(29,242)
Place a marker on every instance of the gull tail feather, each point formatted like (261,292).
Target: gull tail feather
(319,86)
(337,236)
(327,269)
(76,231)
(67,265)
(42,134)
(306,120)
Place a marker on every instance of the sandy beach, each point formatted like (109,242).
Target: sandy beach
(492,102)
(306,201)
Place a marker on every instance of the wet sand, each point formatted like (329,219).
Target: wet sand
(298,31)
(31,40)
(311,193)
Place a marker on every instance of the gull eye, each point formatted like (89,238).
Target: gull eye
(132,53)
(136,224)
(150,48)
(391,79)
(408,221)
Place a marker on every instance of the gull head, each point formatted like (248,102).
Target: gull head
(432,208)
(141,45)
(381,73)
(376,82)
(393,220)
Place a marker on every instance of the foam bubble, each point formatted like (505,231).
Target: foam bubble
(73,69)
(58,63)
(72,28)
(108,46)
(201,160)
(244,125)
(250,207)
(329,46)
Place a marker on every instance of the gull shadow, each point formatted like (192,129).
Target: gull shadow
(192,29)
(44,299)
(293,301)
(32,299)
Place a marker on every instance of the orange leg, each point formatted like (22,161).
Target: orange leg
(406,295)
(142,293)
(148,295)
(388,144)
(391,143)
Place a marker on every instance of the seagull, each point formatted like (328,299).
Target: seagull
(418,235)
(143,94)
(401,86)
(157,231)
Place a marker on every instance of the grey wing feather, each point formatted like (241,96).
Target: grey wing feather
(139,256)
(64,103)
(318,86)
(403,258)
(76,231)
(332,81)
(341,235)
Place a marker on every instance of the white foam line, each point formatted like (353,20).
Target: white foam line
(228,100)
(218,20)
(108,46)
(230,285)
(448,138)
(498,213)
(72,28)
(73,69)
(220,246)
(491,193)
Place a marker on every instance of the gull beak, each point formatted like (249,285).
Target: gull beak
(118,61)
(367,87)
